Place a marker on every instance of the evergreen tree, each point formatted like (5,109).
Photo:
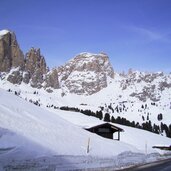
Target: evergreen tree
(162,127)
(113,119)
(119,120)
(165,127)
(169,135)
(156,129)
(147,117)
(99,114)
(133,123)
(107,117)
(160,117)
(117,109)
(145,106)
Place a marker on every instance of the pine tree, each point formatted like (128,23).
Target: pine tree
(113,119)
(160,117)
(133,123)
(155,128)
(107,117)
(100,115)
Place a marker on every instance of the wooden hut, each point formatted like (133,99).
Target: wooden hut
(106,130)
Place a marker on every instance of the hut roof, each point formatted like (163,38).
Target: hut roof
(107,125)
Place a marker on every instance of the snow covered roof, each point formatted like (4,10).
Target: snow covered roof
(105,124)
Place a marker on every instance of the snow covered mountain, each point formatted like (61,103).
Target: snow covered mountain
(35,132)
(85,74)
(87,82)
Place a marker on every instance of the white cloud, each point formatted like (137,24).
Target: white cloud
(151,35)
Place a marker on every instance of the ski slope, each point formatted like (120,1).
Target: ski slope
(33,137)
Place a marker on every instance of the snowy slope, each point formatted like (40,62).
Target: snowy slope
(136,137)
(37,139)
(113,95)
(49,131)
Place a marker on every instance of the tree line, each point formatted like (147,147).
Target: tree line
(123,121)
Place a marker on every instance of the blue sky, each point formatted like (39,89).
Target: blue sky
(134,33)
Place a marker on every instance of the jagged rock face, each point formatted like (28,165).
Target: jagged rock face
(86,73)
(16,76)
(145,86)
(37,79)
(5,53)
(34,61)
(26,77)
(31,69)
(10,53)
(35,68)
(17,54)
(51,79)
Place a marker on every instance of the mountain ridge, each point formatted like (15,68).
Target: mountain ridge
(88,82)
(31,69)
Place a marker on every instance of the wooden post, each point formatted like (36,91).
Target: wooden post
(146,147)
(88,145)
(118,135)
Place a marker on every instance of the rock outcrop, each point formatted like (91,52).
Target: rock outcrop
(86,73)
(51,79)
(30,69)
(35,68)
(15,76)
(34,61)
(10,53)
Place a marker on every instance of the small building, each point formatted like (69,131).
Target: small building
(106,130)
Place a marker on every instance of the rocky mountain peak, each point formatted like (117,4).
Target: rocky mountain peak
(35,67)
(10,52)
(3,32)
(34,60)
(86,73)
(91,62)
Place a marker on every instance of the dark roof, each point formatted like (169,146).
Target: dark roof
(108,125)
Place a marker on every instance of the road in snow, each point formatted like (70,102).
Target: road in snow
(164,165)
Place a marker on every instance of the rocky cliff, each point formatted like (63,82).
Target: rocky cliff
(30,69)
(35,68)
(86,73)
(10,53)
